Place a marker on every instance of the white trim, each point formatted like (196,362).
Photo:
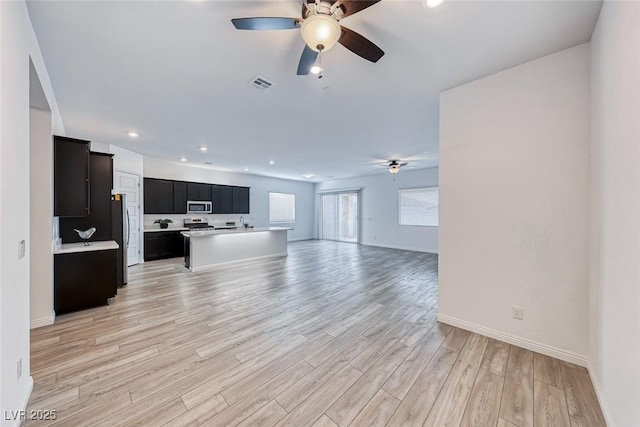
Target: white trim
(18,421)
(240,261)
(403,248)
(604,406)
(567,356)
(298,239)
(43,321)
(341,190)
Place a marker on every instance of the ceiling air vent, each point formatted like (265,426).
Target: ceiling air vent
(261,83)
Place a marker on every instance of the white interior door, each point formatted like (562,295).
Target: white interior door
(129,184)
(340,219)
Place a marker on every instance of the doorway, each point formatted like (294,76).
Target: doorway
(41,224)
(129,184)
(340,218)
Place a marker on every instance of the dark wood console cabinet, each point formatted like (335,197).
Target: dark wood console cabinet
(83,280)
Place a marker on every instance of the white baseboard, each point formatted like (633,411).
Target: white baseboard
(548,350)
(403,248)
(25,402)
(298,239)
(604,405)
(43,321)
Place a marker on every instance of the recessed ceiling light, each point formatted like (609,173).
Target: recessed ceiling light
(308,176)
(432,3)
(133,134)
(183,159)
(271,162)
(203,149)
(246,169)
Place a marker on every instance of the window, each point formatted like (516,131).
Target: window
(419,206)
(282,207)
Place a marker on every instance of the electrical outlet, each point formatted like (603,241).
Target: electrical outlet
(19,368)
(516,312)
(21,249)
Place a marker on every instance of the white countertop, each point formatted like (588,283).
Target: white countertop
(68,248)
(153,230)
(240,230)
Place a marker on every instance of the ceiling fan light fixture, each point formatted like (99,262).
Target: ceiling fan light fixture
(394,169)
(432,3)
(320,32)
(316,69)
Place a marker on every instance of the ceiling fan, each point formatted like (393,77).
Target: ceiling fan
(394,166)
(320,29)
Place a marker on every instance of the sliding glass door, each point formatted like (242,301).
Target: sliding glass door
(339,213)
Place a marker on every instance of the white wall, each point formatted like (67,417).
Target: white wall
(614,314)
(259,194)
(513,204)
(379,215)
(17,44)
(127,161)
(41,206)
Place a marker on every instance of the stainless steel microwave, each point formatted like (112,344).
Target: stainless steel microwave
(196,207)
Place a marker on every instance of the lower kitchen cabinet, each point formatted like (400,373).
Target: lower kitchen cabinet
(163,244)
(83,280)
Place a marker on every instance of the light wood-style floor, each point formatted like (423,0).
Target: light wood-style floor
(334,334)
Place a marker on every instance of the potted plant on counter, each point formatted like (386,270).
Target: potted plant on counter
(164,223)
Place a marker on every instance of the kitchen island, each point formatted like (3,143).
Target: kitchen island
(207,248)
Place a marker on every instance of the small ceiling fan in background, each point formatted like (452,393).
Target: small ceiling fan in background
(320,30)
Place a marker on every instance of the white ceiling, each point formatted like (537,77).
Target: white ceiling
(177,73)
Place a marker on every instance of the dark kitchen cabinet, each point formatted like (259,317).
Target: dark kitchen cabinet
(198,191)
(179,197)
(222,199)
(240,200)
(158,196)
(70,177)
(100,185)
(83,280)
(163,196)
(163,244)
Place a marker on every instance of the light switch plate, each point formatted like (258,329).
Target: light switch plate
(516,312)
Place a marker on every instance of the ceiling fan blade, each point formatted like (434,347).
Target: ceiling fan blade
(266,23)
(360,45)
(307,60)
(354,6)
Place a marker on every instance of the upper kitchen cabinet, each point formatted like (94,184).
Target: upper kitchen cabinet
(179,197)
(222,199)
(100,185)
(198,191)
(70,177)
(158,196)
(240,200)
(163,196)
